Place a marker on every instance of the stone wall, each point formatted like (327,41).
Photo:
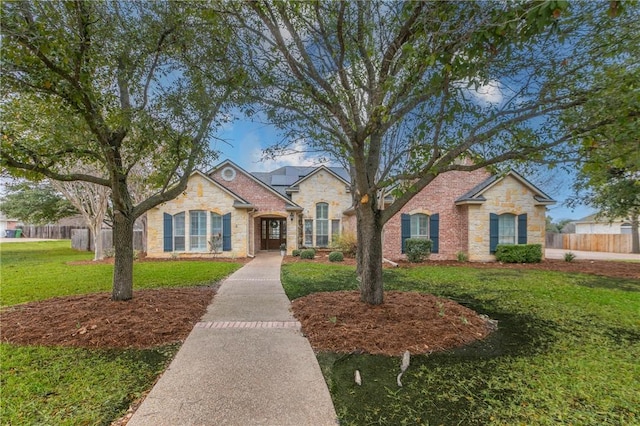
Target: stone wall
(506,196)
(323,187)
(201,194)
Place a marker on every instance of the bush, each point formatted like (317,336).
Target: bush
(417,249)
(519,253)
(462,256)
(336,256)
(307,254)
(295,253)
(568,256)
(347,243)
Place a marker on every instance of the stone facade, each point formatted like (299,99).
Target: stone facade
(201,194)
(508,195)
(321,187)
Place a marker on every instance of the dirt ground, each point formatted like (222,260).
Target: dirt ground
(332,321)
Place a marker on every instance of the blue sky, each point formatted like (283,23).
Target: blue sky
(246,141)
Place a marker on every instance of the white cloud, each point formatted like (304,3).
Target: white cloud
(295,155)
(490,93)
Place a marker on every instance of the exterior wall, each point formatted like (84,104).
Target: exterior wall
(598,228)
(246,187)
(438,198)
(323,187)
(200,194)
(506,196)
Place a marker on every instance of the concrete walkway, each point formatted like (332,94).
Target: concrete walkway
(245,363)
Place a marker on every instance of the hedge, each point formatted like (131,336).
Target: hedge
(336,256)
(307,254)
(519,253)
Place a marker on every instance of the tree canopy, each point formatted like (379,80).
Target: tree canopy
(401,92)
(36,203)
(113,84)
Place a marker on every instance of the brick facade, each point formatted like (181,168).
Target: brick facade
(437,198)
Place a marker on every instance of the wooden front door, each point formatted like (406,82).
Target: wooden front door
(273,232)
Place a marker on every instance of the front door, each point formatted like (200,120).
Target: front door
(273,233)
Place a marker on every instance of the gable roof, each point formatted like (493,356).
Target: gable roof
(475,195)
(257,180)
(336,172)
(238,202)
(285,178)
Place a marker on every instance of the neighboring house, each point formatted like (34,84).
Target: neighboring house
(6,224)
(603,225)
(233,213)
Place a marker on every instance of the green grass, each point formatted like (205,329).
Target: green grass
(66,386)
(39,270)
(566,351)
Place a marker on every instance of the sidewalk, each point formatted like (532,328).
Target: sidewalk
(245,363)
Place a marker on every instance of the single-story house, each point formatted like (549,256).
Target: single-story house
(602,225)
(230,212)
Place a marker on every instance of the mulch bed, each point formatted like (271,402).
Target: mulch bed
(151,318)
(406,321)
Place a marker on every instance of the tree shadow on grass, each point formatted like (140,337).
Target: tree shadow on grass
(596,281)
(440,388)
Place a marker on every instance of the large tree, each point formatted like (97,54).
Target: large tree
(113,83)
(402,91)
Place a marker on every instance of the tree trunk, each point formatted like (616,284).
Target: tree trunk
(369,254)
(635,235)
(96,230)
(123,267)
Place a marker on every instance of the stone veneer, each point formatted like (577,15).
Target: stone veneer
(505,196)
(322,187)
(201,194)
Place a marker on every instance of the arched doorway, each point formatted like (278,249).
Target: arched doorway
(273,232)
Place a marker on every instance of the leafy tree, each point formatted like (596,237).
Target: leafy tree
(608,177)
(401,92)
(36,203)
(113,83)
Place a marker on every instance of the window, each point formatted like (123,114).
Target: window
(322,224)
(215,244)
(308,232)
(420,226)
(178,232)
(198,231)
(335,229)
(507,229)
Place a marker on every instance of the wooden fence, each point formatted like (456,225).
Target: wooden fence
(81,239)
(611,243)
(54,232)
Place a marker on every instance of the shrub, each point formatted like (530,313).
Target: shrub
(462,256)
(568,256)
(417,249)
(519,253)
(336,256)
(295,253)
(347,243)
(307,254)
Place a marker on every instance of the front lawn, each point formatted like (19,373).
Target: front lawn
(72,386)
(40,270)
(566,351)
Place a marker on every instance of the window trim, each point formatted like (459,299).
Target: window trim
(200,237)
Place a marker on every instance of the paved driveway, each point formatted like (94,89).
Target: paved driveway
(590,255)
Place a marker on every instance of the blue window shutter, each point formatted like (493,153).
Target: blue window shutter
(405,228)
(168,232)
(493,232)
(226,232)
(522,229)
(434,232)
